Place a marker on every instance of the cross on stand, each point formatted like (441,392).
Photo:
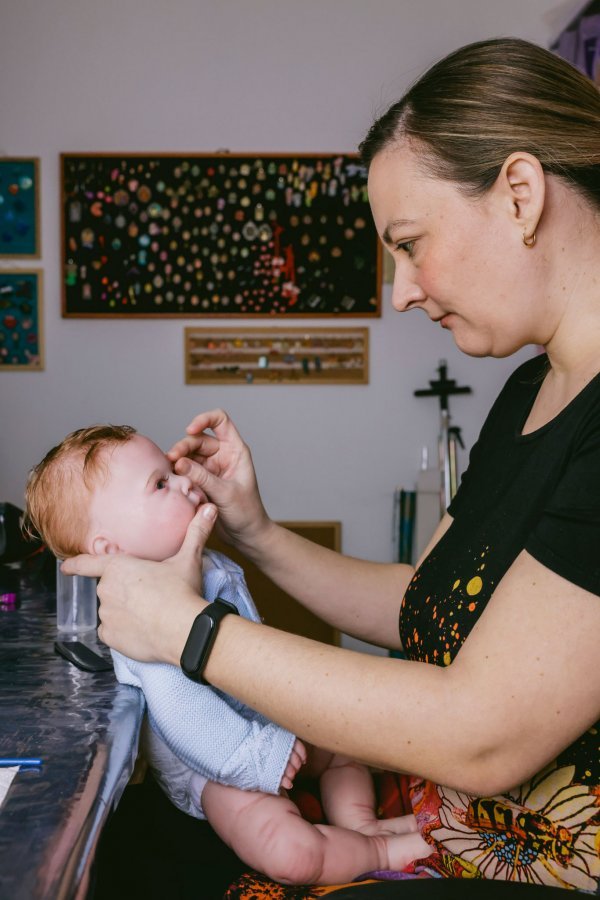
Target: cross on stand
(444,387)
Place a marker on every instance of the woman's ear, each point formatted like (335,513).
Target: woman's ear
(102,546)
(522,183)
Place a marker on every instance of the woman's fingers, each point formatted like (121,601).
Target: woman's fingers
(199,445)
(220,465)
(85,564)
(216,419)
(195,540)
(197,442)
(200,476)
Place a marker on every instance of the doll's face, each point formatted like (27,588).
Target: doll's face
(142,507)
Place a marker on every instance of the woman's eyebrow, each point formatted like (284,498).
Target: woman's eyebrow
(397,223)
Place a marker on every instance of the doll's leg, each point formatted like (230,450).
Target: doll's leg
(269,834)
(348,798)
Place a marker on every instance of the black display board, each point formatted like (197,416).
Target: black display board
(217,235)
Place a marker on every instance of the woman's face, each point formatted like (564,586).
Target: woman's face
(461,260)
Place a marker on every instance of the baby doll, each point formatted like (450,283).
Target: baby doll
(107,489)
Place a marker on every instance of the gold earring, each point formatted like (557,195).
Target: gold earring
(529,241)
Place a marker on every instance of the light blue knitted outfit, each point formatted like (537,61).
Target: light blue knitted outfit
(197,730)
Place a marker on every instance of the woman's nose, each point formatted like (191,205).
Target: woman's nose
(406,292)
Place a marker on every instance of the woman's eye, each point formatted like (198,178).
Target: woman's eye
(407,247)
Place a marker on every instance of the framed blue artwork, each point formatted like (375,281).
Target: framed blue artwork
(218,235)
(21,319)
(19,207)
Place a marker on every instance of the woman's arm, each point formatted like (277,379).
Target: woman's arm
(524,685)
(358,597)
(355,596)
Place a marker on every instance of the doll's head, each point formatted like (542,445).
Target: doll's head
(107,489)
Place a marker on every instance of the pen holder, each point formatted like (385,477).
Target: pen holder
(76,602)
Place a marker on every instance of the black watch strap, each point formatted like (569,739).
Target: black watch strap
(202,636)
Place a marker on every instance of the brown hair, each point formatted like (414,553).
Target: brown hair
(474,108)
(60,486)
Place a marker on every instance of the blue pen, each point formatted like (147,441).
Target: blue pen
(19,761)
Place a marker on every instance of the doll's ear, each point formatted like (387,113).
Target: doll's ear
(102,546)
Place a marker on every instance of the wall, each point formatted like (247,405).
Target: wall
(270,75)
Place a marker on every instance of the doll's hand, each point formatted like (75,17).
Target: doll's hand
(295,763)
(218,461)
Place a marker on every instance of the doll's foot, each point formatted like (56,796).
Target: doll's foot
(403,849)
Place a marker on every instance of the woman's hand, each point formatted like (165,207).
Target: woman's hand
(147,608)
(221,465)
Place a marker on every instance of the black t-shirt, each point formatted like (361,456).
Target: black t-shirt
(538,492)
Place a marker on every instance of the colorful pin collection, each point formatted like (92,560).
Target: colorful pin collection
(218,235)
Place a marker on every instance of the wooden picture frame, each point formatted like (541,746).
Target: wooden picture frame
(276,355)
(21,323)
(20,207)
(217,235)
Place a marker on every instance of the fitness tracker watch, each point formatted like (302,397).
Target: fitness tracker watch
(201,638)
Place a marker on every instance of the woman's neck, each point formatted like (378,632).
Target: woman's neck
(571,260)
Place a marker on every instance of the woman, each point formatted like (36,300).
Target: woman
(484,182)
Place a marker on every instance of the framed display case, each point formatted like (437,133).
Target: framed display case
(19,207)
(217,235)
(275,355)
(21,320)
